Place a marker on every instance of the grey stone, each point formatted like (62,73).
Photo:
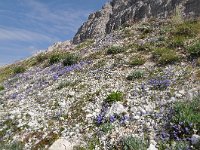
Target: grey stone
(195,140)
(116,108)
(61,144)
(152,147)
(136,117)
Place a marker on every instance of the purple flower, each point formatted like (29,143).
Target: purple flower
(81,63)
(112,119)
(55,77)
(13,96)
(143,87)
(99,119)
(124,119)
(159,83)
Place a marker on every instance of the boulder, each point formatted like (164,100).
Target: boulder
(61,144)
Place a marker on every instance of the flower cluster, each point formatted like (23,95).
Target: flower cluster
(181,131)
(101,118)
(63,70)
(159,83)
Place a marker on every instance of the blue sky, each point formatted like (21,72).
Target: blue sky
(27,26)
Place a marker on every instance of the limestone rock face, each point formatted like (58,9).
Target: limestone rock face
(118,12)
(95,26)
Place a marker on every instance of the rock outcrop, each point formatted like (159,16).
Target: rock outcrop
(118,12)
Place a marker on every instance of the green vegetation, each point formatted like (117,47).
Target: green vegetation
(55,58)
(178,145)
(100,63)
(197,74)
(115,50)
(137,60)
(168,58)
(127,32)
(144,47)
(64,84)
(13,146)
(198,61)
(114,97)
(92,143)
(165,56)
(145,29)
(1,88)
(133,143)
(5,73)
(176,41)
(188,112)
(194,50)
(70,59)
(78,147)
(183,122)
(187,29)
(19,69)
(96,55)
(41,58)
(46,141)
(85,44)
(135,75)
(106,127)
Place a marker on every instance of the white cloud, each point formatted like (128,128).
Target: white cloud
(22,35)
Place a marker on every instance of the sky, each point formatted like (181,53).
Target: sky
(28,26)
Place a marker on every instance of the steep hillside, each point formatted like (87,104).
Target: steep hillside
(136,88)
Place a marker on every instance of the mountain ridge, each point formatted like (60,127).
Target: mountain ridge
(119,12)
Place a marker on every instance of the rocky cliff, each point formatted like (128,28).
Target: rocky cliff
(118,12)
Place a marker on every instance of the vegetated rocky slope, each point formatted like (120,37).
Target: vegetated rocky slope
(116,13)
(71,103)
(119,93)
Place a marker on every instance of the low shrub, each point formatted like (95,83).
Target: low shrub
(198,61)
(137,60)
(1,88)
(135,75)
(194,50)
(176,42)
(197,74)
(187,29)
(188,112)
(55,58)
(63,85)
(115,50)
(85,44)
(70,59)
(168,58)
(178,145)
(17,145)
(41,58)
(19,69)
(114,97)
(183,120)
(133,143)
(145,29)
(144,47)
(106,127)
(165,56)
